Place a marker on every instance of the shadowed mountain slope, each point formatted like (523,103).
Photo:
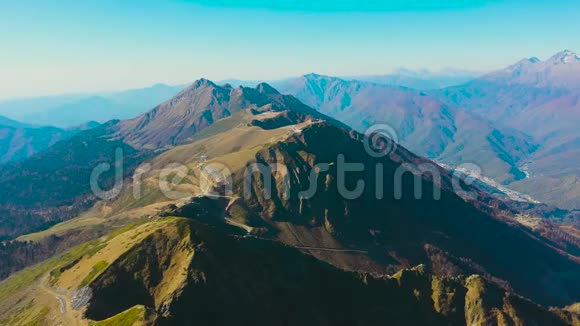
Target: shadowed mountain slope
(260,282)
(447,233)
(181,271)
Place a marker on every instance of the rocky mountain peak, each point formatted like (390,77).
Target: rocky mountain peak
(201,83)
(265,88)
(525,63)
(564,57)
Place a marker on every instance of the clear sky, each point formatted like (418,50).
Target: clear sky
(65,46)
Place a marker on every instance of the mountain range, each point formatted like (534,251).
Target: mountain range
(420,79)
(19,141)
(540,99)
(558,72)
(66,111)
(71,110)
(517,124)
(4,121)
(149,258)
(421,122)
(44,121)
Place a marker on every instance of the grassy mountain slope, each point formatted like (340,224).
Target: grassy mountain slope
(182,271)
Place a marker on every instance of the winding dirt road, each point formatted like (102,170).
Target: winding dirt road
(68,316)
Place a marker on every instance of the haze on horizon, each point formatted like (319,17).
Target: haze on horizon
(72,47)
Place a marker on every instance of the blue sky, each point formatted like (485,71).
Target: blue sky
(51,47)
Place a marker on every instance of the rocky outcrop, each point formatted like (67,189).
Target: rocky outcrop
(191,273)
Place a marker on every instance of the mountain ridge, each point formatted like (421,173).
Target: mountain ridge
(541,99)
(66,111)
(181,118)
(61,174)
(420,79)
(19,141)
(559,71)
(422,123)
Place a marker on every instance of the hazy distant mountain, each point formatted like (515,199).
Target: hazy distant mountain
(416,79)
(94,108)
(421,79)
(560,71)
(542,99)
(423,124)
(20,107)
(66,111)
(5,122)
(19,141)
(137,101)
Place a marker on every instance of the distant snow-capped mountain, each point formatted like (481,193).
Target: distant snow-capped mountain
(562,70)
(541,99)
